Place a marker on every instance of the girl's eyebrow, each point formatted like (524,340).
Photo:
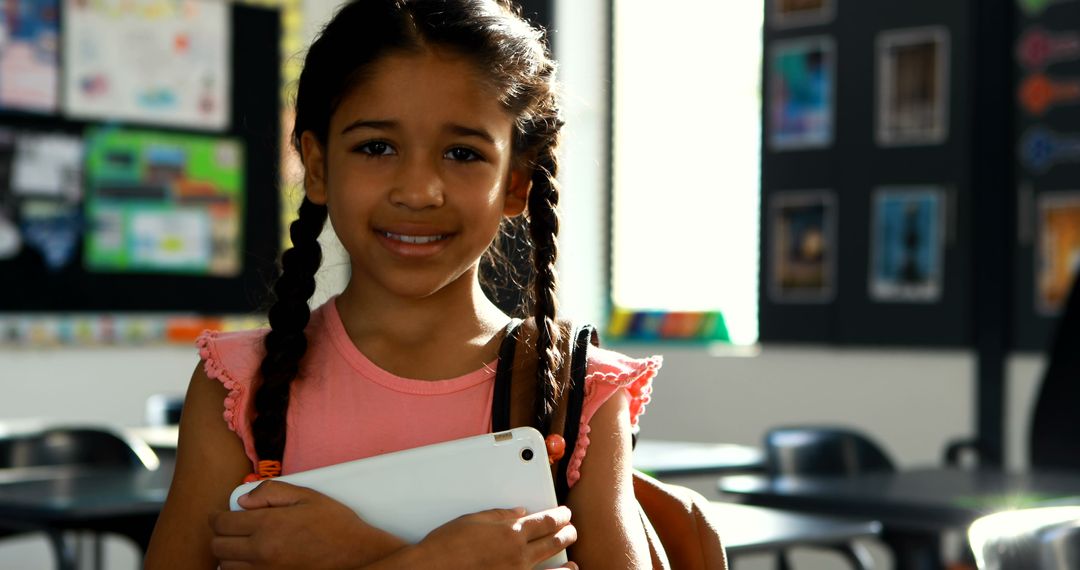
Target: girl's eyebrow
(362,124)
(454,128)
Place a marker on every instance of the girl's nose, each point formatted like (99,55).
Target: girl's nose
(418,186)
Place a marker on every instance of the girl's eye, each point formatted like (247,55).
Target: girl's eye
(376,148)
(462,154)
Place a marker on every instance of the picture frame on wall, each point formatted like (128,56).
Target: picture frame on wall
(907,244)
(802,87)
(1057,249)
(913,86)
(797,13)
(802,230)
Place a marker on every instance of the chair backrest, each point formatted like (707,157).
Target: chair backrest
(817,450)
(1027,539)
(1054,437)
(88,446)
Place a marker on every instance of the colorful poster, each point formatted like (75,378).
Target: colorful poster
(793,13)
(802,90)
(29,70)
(162,62)
(1057,256)
(41,196)
(803,229)
(913,86)
(163,203)
(907,244)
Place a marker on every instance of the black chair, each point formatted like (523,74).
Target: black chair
(1027,539)
(1054,433)
(824,451)
(77,447)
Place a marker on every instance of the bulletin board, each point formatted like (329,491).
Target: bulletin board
(866,173)
(173,215)
(1046,55)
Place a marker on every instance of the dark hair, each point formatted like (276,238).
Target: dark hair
(512,56)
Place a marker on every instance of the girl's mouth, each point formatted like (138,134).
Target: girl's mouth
(419,240)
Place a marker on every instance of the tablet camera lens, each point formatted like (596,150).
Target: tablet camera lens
(526,454)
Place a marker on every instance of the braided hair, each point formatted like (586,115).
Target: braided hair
(511,55)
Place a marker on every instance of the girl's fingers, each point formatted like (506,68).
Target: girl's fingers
(547,546)
(544,523)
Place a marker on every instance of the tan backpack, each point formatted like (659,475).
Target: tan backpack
(676,519)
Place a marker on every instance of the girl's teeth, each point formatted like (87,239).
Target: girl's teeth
(413,239)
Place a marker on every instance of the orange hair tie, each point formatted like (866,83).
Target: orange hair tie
(267,470)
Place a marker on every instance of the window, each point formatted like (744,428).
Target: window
(686,158)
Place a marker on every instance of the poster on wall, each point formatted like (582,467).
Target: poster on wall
(163,203)
(163,62)
(803,233)
(913,86)
(802,87)
(41,197)
(29,60)
(794,13)
(1057,256)
(907,242)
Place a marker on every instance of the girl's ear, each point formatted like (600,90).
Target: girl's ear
(517,192)
(314,158)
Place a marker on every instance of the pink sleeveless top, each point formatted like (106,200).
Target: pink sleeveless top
(344,407)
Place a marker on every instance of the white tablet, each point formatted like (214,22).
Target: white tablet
(410,493)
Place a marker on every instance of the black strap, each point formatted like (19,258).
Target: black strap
(500,404)
(578,364)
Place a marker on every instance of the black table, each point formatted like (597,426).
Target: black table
(58,499)
(746,530)
(914,506)
(676,458)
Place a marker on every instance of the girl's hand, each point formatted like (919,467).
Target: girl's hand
(500,539)
(286,526)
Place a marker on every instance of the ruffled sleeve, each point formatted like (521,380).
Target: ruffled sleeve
(233,359)
(607,373)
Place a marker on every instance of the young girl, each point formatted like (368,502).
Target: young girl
(423,126)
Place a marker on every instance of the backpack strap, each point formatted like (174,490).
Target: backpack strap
(500,403)
(513,402)
(575,400)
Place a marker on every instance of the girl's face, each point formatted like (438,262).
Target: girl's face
(417,172)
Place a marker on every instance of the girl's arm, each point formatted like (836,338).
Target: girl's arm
(602,501)
(195,529)
(210,463)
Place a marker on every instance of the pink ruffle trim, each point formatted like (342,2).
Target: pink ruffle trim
(216,371)
(638,382)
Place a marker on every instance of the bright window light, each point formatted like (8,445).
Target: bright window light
(687,128)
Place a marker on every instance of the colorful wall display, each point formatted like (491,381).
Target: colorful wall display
(1058,249)
(803,236)
(802,78)
(163,203)
(29,55)
(795,13)
(907,242)
(41,196)
(162,62)
(913,86)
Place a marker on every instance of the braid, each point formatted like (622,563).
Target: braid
(286,343)
(544,229)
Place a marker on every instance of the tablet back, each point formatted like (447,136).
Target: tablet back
(410,493)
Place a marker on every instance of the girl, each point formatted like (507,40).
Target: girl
(423,126)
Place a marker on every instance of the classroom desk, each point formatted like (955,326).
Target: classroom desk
(913,506)
(57,499)
(128,502)
(677,458)
(750,530)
